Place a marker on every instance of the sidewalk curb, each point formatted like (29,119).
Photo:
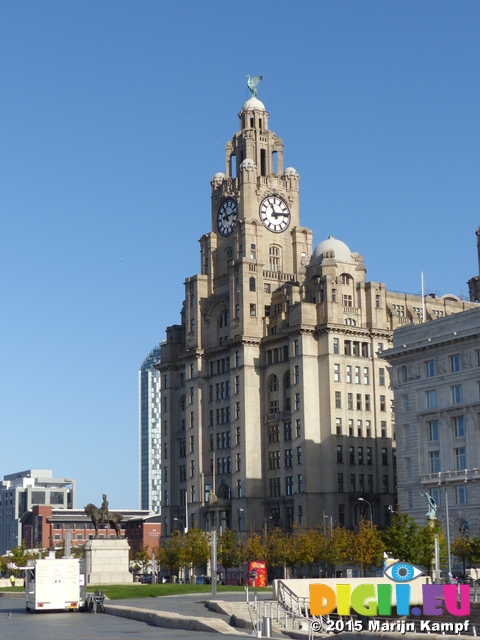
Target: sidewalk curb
(171,620)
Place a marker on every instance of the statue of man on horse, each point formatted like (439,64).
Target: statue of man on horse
(104,516)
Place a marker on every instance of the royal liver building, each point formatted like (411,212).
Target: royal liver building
(275,407)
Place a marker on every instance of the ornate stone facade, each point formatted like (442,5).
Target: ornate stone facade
(274,402)
(438,418)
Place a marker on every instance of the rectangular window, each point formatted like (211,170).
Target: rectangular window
(338,400)
(381,377)
(192,468)
(340,482)
(433,430)
(289,486)
(287,431)
(192,444)
(408,467)
(457,394)
(239,462)
(455,363)
(431,397)
(295,347)
(410,499)
(383,427)
(459,426)
(461,494)
(361,483)
(357,375)
(460,459)
(369,455)
(430,368)
(237,436)
(351,455)
(338,423)
(405,403)
(237,384)
(253,310)
(366,376)
(352,483)
(367,402)
(406,430)
(237,410)
(359,428)
(359,401)
(350,427)
(434,457)
(336,372)
(299,455)
(349,373)
(368,428)
(239,488)
(370,484)
(360,455)
(288,457)
(339,453)
(297,402)
(383,404)
(384,456)
(300,483)
(385,484)
(298,428)
(350,401)
(437,496)
(335,345)
(347,347)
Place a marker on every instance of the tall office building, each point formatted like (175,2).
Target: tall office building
(275,407)
(150,433)
(19,492)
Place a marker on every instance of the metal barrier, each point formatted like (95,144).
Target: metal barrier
(95,602)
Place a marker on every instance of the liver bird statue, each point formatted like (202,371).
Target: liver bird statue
(252,84)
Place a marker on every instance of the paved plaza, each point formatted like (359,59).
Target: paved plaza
(83,626)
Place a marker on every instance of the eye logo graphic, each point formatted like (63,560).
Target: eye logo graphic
(403,572)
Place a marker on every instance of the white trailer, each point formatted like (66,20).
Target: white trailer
(53,584)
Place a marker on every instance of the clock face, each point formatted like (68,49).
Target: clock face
(227,216)
(275,214)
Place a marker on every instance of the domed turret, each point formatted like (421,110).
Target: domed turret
(253,103)
(332,248)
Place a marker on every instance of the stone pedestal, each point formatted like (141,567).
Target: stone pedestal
(107,562)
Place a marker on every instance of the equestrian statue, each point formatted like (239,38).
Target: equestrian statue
(103,516)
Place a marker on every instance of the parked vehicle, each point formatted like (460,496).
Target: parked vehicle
(53,584)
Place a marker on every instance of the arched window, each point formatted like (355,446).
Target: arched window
(274,256)
(273,384)
(252,284)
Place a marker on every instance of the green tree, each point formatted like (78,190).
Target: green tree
(141,560)
(229,551)
(337,547)
(278,549)
(366,547)
(426,545)
(475,552)
(304,543)
(255,548)
(18,556)
(78,551)
(196,550)
(170,552)
(401,538)
(462,548)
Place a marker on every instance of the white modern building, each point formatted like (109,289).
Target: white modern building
(150,432)
(20,491)
(435,375)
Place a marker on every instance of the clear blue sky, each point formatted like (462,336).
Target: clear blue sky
(114,117)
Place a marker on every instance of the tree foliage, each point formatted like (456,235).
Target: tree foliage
(170,552)
(366,546)
(141,560)
(229,552)
(196,548)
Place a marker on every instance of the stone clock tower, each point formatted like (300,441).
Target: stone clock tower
(275,407)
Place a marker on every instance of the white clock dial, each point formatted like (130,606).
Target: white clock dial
(275,214)
(227,216)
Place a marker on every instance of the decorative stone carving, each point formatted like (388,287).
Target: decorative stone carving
(414,371)
(440,366)
(393,377)
(466,359)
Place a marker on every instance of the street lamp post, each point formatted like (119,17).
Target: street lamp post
(371,511)
(185,531)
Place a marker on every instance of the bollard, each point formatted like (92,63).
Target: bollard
(266,627)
